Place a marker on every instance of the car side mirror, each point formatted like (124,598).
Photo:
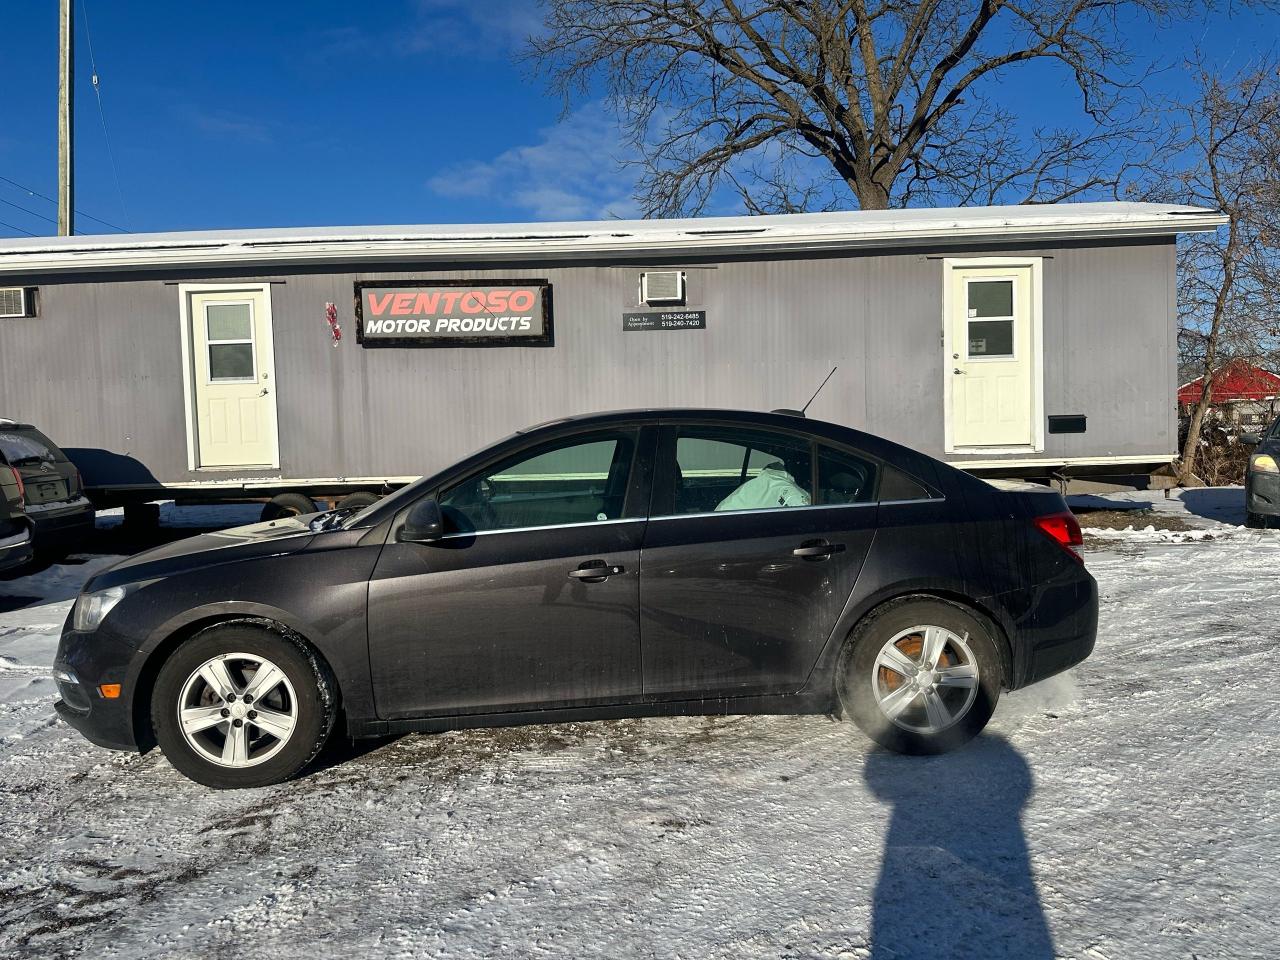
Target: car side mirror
(425,524)
(1250,439)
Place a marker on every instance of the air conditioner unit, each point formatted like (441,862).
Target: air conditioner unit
(13,302)
(662,286)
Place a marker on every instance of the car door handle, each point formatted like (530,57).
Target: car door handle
(816,549)
(596,571)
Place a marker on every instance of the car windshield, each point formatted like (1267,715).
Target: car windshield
(25,447)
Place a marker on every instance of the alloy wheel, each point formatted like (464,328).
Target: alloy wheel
(237,710)
(925,678)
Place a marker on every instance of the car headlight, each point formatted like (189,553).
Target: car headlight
(91,608)
(1263,463)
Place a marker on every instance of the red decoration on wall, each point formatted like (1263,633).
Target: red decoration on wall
(331,314)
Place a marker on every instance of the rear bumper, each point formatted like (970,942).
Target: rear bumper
(66,522)
(1058,629)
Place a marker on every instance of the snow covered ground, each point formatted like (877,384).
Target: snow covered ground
(1129,809)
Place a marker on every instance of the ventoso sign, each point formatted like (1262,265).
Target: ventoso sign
(448,313)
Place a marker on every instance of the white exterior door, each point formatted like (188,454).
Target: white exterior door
(232,379)
(992,358)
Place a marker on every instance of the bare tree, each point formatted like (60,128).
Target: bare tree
(1229,281)
(807,104)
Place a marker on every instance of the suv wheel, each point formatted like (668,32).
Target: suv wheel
(239,705)
(920,676)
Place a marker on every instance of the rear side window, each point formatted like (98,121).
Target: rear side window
(724,469)
(845,477)
(27,446)
(896,485)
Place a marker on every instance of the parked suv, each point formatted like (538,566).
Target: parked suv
(54,497)
(15,529)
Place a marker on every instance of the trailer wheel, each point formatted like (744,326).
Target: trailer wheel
(287,505)
(357,501)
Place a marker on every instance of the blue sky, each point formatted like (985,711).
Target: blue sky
(320,112)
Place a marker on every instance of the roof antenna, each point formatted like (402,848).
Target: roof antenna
(801,411)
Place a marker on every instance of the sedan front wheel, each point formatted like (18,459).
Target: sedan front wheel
(240,705)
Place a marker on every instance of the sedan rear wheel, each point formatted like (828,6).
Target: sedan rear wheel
(241,705)
(920,676)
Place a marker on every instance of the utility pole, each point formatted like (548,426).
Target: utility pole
(66,79)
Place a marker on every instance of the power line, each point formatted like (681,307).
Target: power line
(37,193)
(18,206)
(18,229)
(93,66)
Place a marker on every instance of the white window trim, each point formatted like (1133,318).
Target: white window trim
(1036,265)
(185,290)
(252,341)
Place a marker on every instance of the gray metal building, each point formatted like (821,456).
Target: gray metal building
(1030,340)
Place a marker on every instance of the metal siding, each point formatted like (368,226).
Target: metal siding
(101,366)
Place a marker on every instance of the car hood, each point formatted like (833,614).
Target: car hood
(273,538)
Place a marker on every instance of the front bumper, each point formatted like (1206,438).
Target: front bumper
(1262,493)
(84,662)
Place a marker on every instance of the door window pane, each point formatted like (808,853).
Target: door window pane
(991,298)
(229,321)
(576,481)
(991,338)
(722,469)
(231,361)
(844,477)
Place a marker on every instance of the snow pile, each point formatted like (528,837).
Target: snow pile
(1149,534)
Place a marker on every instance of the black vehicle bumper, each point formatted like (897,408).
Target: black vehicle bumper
(1262,493)
(15,550)
(86,661)
(61,524)
(1059,627)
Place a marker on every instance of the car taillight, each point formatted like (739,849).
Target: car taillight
(79,481)
(22,490)
(1064,530)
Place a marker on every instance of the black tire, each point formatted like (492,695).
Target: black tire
(856,672)
(314,687)
(287,505)
(357,501)
(1255,521)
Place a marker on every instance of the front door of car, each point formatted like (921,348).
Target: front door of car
(744,573)
(530,600)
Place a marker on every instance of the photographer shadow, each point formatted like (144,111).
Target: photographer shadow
(956,879)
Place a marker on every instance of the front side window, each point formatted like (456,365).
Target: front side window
(717,470)
(578,480)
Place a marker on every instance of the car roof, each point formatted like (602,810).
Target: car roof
(775,417)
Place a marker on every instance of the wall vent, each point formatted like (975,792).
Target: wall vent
(13,302)
(662,286)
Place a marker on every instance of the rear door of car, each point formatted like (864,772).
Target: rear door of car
(741,602)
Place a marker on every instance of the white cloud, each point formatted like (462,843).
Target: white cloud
(492,26)
(572,172)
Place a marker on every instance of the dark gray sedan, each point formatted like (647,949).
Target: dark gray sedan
(616,565)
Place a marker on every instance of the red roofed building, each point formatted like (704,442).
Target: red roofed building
(1241,393)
